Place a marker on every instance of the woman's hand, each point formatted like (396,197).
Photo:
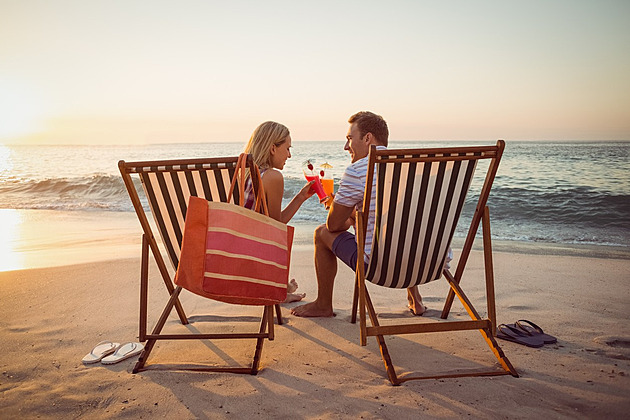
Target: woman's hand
(307,191)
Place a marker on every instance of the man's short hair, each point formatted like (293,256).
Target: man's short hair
(369,122)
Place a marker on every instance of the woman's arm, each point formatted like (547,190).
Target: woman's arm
(273,182)
(297,201)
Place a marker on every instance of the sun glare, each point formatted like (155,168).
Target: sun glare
(21,111)
(10,224)
(6,163)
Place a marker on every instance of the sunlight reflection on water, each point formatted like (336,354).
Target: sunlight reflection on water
(10,224)
(47,238)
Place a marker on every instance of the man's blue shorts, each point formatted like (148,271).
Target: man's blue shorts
(345,248)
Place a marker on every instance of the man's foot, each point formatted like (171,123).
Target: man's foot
(415,305)
(417,310)
(294,297)
(312,310)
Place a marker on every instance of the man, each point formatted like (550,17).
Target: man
(332,240)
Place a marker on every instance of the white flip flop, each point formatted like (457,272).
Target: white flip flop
(99,351)
(124,351)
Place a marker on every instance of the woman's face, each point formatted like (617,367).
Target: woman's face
(280,153)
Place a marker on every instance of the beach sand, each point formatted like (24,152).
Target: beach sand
(51,317)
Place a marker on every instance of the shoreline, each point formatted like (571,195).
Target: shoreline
(51,238)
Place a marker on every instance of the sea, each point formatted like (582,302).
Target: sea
(551,192)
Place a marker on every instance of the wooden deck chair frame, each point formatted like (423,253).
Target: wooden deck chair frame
(167,184)
(439,197)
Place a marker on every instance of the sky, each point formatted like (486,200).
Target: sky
(155,71)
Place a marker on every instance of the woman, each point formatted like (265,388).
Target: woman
(270,147)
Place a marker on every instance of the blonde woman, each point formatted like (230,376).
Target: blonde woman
(270,146)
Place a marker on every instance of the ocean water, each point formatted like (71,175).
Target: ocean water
(563,192)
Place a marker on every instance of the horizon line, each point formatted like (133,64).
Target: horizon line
(324,141)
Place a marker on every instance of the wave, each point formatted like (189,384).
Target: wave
(96,192)
(560,214)
(575,206)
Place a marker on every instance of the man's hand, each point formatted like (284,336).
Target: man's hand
(329,201)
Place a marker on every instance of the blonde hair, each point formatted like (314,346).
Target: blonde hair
(263,137)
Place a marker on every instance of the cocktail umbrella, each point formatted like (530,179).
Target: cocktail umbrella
(325,165)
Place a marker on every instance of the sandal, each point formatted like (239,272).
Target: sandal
(125,351)
(534,330)
(99,351)
(509,333)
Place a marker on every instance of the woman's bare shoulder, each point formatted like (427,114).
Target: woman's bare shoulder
(272,175)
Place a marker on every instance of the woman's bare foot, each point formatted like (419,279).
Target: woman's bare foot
(312,309)
(292,286)
(294,297)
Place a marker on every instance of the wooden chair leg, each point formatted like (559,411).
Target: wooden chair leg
(261,341)
(156,329)
(144,290)
(268,313)
(355,301)
(168,282)
(279,314)
(387,360)
(144,356)
(487,334)
(489,269)
(498,352)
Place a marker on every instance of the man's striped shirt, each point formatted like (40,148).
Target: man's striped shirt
(351,191)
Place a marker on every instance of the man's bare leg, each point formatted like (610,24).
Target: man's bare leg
(415,301)
(326,270)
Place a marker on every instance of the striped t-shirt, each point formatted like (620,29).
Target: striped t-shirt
(350,193)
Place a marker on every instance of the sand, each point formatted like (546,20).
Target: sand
(315,368)
(80,289)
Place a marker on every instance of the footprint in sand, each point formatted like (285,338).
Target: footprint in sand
(621,346)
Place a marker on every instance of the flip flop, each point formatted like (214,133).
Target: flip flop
(99,351)
(509,333)
(534,330)
(125,351)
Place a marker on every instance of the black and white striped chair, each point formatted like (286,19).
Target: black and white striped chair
(167,185)
(420,195)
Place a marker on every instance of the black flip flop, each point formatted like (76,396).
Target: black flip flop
(509,333)
(534,330)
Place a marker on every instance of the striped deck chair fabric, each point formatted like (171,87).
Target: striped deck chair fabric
(168,188)
(167,185)
(420,196)
(418,205)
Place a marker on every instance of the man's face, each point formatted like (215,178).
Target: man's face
(356,144)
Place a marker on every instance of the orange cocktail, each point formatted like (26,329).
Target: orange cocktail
(329,186)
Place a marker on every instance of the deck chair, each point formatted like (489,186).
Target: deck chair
(167,185)
(420,195)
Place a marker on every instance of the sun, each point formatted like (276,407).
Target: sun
(22,112)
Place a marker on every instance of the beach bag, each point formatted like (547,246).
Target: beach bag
(233,254)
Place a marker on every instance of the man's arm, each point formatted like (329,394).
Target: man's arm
(340,217)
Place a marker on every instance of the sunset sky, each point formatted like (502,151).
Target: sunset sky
(153,71)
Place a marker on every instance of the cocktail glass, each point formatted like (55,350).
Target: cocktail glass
(317,186)
(327,181)
(310,175)
(329,186)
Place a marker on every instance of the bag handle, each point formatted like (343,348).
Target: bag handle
(240,177)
